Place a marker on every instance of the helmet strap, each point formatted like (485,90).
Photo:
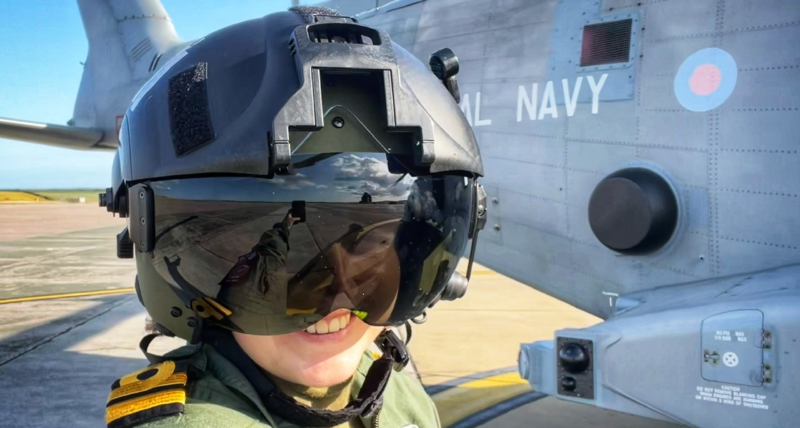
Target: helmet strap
(158,359)
(391,345)
(197,331)
(369,399)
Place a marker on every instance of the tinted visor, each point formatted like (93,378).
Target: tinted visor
(378,243)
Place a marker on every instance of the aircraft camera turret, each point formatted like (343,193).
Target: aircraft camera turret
(575,371)
(573,358)
(633,211)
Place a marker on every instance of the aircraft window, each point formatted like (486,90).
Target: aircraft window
(606,43)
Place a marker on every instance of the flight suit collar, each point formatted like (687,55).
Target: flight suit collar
(210,362)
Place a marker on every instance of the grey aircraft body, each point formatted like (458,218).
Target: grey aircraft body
(641,160)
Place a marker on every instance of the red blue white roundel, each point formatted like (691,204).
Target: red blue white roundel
(706,79)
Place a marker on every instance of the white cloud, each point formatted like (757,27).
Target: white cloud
(369,175)
(294,182)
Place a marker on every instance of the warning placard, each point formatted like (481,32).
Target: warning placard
(731,396)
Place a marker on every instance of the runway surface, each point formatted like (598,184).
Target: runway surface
(59,356)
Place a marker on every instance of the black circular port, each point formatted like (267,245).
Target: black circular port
(573,358)
(568,383)
(633,211)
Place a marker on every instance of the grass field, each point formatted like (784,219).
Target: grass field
(72,196)
(14,196)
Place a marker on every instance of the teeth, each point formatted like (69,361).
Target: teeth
(344,320)
(332,326)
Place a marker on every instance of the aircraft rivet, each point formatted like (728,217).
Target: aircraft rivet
(175,312)
(495,201)
(141,195)
(141,220)
(497,227)
(141,243)
(191,322)
(338,122)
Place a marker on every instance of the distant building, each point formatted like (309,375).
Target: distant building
(366,198)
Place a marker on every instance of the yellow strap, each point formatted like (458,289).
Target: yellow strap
(143,403)
(135,388)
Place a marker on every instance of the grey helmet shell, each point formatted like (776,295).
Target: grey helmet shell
(212,111)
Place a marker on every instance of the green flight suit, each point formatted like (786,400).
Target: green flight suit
(223,397)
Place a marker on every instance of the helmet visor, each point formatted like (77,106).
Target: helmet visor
(380,244)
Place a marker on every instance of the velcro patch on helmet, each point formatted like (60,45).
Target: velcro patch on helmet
(156,391)
(308,12)
(189,113)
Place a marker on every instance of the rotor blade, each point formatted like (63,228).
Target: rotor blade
(53,135)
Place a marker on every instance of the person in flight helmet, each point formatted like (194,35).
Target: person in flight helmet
(295,185)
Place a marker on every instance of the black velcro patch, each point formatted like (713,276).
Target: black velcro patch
(189,114)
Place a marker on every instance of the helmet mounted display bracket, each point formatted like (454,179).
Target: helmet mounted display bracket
(480,222)
(142,218)
(444,64)
(115,201)
(457,285)
(341,47)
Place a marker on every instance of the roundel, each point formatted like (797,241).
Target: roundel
(706,79)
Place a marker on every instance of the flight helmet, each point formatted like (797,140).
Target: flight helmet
(289,166)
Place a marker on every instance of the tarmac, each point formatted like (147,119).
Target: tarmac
(70,326)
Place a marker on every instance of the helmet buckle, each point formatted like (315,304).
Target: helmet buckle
(391,345)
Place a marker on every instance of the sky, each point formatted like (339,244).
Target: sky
(43,45)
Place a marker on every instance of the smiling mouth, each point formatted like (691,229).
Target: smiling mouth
(330,324)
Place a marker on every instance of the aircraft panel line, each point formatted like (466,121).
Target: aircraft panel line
(756,192)
(633,144)
(765,68)
(725,32)
(776,151)
(503,29)
(766,244)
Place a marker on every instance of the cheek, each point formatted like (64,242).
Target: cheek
(318,365)
(266,351)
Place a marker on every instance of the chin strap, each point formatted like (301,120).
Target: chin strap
(370,397)
(368,402)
